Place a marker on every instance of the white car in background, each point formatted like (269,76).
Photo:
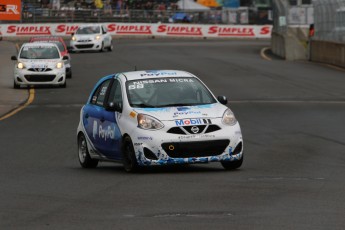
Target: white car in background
(91,38)
(39,64)
(157,117)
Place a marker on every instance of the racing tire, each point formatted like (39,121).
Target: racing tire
(69,75)
(83,153)
(15,85)
(102,47)
(64,85)
(231,165)
(129,160)
(110,48)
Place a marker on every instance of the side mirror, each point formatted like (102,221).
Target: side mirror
(13,58)
(223,100)
(72,34)
(65,58)
(115,107)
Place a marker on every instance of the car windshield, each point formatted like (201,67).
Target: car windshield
(88,30)
(39,52)
(166,92)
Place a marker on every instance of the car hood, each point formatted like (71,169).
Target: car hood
(40,63)
(183,112)
(86,37)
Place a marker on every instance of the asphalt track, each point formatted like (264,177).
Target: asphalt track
(292,116)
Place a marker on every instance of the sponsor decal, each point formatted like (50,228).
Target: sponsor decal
(64,29)
(186,113)
(137,144)
(182,108)
(145,138)
(196,121)
(157,74)
(132,114)
(196,136)
(232,31)
(29,30)
(103,133)
(10,10)
(130,29)
(180,30)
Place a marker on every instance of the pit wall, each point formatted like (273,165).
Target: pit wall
(18,31)
(327,52)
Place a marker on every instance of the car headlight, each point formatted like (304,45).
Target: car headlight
(20,65)
(59,65)
(74,38)
(229,118)
(148,122)
(97,37)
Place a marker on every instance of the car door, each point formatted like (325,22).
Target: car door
(106,37)
(112,147)
(100,124)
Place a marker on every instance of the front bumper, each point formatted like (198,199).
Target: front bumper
(89,45)
(163,148)
(53,77)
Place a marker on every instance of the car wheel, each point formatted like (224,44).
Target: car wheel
(231,165)
(102,47)
(15,85)
(83,153)
(110,48)
(69,75)
(129,160)
(64,85)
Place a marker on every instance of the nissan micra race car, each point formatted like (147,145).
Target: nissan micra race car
(144,118)
(91,38)
(39,64)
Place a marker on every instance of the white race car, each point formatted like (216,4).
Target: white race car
(144,118)
(39,64)
(91,38)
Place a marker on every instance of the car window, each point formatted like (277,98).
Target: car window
(88,30)
(161,92)
(115,94)
(60,46)
(39,52)
(99,95)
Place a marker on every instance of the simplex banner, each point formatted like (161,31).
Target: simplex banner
(142,29)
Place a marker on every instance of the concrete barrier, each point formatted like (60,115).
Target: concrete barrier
(292,44)
(327,52)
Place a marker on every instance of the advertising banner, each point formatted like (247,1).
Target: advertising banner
(143,29)
(10,10)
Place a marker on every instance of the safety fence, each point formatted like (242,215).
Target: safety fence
(286,15)
(242,16)
(330,20)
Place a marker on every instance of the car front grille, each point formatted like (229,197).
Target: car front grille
(84,46)
(84,40)
(196,129)
(39,69)
(195,149)
(39,78)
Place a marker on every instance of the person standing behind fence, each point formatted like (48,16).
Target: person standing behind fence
(107,8)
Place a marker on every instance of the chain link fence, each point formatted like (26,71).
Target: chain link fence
(286,15)
(330,20)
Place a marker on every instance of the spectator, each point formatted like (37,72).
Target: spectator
(107,8)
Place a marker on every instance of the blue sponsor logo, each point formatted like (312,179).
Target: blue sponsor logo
(189,122)
(182,108)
